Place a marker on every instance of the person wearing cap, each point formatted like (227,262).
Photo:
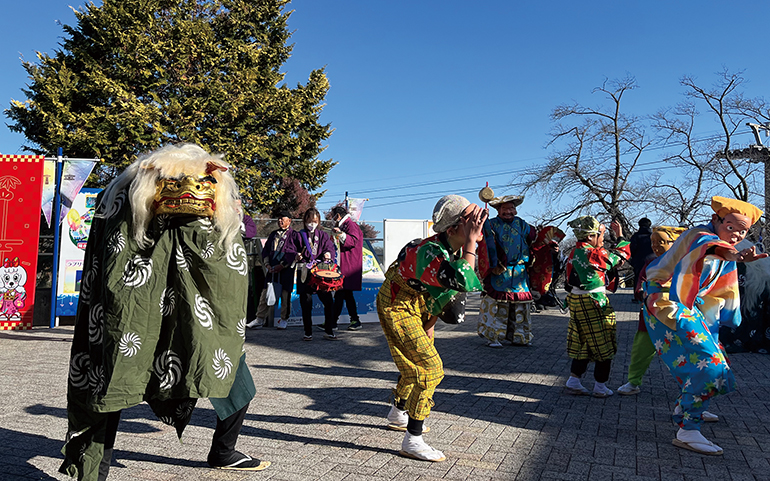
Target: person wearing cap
(591,332)
(418,287)
(683,325)
(641,250)
(278,258)
(504,311)
(642,349)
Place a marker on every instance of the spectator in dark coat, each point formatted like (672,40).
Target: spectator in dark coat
(278,258)
(641,249)
(351,242)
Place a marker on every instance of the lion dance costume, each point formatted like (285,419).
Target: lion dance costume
(161,316)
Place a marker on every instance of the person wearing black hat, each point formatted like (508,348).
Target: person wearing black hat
(278,258)
(641,250)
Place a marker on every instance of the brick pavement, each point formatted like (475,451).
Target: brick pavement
(319,414)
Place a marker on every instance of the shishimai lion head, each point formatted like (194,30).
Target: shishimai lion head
(179,179)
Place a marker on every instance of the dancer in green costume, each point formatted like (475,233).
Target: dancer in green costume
(162,309)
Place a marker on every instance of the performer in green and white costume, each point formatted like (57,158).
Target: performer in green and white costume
(161,315)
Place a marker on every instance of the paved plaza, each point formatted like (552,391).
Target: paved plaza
(319,413)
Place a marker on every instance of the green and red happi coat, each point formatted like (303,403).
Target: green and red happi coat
(588,267)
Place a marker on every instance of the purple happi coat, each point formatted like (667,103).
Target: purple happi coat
(351,255)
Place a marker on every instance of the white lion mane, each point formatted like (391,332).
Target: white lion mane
(757,280)
(140,179)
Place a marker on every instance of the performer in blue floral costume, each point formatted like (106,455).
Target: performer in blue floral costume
(683,322)
(504,311)
(162,310)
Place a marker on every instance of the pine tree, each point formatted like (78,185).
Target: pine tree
(133,75)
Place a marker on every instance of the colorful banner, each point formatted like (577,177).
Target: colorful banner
(355,207)
(74,175)
(21,186)
(49,189)
(73,240)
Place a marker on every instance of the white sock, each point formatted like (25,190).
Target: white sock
(573,382)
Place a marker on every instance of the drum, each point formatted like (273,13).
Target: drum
(326,277)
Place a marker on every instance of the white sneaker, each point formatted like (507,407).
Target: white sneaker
(282,324)
(415,447)
(628,389)
(709,417)
(494,344)
(257,323)
(694,441)
(397,419)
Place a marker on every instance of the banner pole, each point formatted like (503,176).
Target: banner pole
(56,229)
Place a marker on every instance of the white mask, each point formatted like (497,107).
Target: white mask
(312,226)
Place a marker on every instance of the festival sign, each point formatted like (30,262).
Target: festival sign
(75,230)
(21,184)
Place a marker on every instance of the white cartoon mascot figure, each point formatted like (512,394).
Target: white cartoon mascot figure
(13,279)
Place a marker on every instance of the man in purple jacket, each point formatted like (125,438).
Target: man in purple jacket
(351,242)
(278,258)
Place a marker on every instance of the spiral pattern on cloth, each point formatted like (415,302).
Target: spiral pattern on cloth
(207,251)
(185,410)
(168,368)
(130,343)
(79,367)
(95,323)
(236,259)
(116,243)
(161,221)
(167,301)
(137,272)
(105,212)
(241,328)
(222,364)
(203,312)
(183,258)
(206,224)
(96,379)
(88,281)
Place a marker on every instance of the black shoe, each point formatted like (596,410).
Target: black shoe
(354,326)
(239,462)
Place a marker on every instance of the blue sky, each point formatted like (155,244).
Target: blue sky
(430,91)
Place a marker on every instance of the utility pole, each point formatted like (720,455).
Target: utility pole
(759,153)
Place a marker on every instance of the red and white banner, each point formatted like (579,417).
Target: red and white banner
(21,185)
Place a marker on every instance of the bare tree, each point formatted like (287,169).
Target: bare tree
(683,196)
(600,148)
(725,100)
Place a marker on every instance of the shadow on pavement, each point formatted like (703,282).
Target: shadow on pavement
(25,446)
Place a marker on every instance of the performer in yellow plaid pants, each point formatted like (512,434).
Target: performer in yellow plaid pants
(402,320)
(419,287)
